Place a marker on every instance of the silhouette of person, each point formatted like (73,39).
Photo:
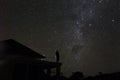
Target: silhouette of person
(57,56)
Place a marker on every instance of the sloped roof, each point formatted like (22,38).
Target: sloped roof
(11,47)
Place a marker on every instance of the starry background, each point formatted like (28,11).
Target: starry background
(86,32)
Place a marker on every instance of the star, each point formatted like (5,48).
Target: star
(77,22)
(90,25)
(113,20)
(100,1)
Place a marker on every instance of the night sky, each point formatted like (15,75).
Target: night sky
(86,32)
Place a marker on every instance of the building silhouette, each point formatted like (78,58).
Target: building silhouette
(21,63)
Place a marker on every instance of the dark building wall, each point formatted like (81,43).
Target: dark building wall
(6,70)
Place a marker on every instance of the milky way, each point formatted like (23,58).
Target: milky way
(84,31)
